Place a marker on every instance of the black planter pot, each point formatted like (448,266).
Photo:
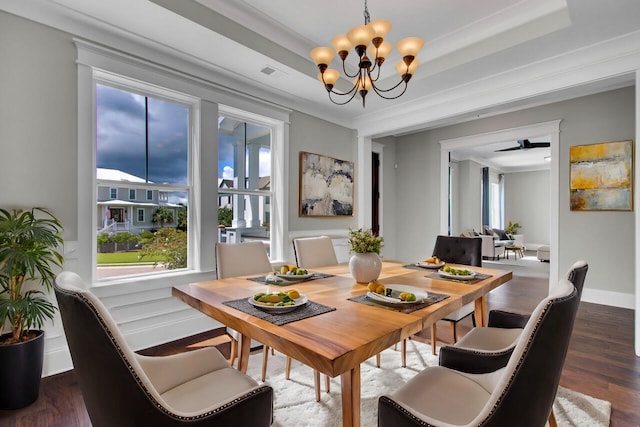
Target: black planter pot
(20,372)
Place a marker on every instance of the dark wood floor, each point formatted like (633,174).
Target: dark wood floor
(600,362)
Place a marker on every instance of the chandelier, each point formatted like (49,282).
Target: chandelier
(367,41)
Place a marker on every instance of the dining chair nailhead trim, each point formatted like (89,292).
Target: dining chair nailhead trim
(146,391)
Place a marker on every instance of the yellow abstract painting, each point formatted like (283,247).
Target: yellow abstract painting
(602,176)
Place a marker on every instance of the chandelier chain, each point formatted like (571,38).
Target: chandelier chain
(367,18)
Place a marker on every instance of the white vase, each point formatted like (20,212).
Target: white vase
(365,267)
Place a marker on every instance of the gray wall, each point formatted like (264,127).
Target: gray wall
(601,238)
(38,119)
(317,136)
(417,196)
(469,197)
(526,197)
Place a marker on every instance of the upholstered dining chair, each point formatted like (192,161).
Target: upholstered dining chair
(497,341)
(457,250)
(521,393)
(313,252)
(243,259)
(123,388)
(490,348)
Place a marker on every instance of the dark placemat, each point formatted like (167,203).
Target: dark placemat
(478,277)
(404,308)
(263,279)
(310,309)
(417,267)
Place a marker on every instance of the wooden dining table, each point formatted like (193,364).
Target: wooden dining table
(336,342)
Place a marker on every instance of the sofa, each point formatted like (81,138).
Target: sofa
(492,248)
(494,242)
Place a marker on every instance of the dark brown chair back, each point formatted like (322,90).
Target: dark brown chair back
(459,250)
(113,387)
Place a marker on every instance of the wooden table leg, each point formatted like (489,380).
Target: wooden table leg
(243,356)
(481,311)
(351,397)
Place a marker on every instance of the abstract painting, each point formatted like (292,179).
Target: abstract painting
(602,176)
(326,186)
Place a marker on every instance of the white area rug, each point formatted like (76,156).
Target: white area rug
(295,405)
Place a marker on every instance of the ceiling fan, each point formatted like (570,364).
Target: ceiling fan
(525,144)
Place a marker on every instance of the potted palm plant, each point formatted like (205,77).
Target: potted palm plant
(29,242)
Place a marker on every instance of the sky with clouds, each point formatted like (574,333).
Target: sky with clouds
(121,138)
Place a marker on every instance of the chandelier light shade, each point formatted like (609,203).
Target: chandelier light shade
(368,42)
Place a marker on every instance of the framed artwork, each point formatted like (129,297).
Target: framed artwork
(326,186)
(601,176)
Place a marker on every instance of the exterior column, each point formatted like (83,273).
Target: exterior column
(253,151)
(239,174)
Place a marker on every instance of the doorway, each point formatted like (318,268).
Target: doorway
(549,129)
(375,193)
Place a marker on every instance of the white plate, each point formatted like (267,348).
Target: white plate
(293,277)
(302,300)
(396,290)
(458,276)
(429,264)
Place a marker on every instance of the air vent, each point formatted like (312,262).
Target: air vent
(272,72)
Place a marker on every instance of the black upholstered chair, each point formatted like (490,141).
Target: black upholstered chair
(457,250)
(522,393)
(497,341)
(122,388)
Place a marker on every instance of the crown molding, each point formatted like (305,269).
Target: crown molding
(522,87)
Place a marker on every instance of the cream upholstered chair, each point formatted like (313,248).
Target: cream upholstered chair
(313,252)
(122,388)
(521,393)
(243,259)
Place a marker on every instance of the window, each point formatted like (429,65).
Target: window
(113,193)
(244,177)
(163,86)
(144,140)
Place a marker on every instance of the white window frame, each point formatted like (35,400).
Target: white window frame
(243,192)
(134,194)
(113,193)
(95,60)
(138,211)
(149,194)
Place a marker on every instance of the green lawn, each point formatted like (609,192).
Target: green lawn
(124,258)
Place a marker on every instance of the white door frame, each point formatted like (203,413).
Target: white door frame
(549,129)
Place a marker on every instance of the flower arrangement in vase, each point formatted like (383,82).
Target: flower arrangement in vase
(365,264)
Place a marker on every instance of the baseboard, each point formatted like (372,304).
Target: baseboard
(615,299)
